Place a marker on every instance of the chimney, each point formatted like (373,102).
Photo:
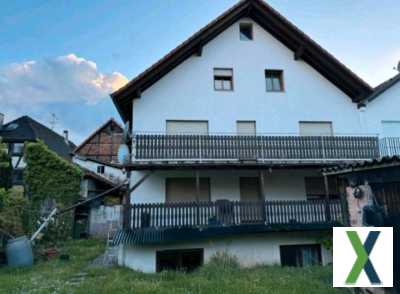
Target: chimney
(66,136)
(1,120)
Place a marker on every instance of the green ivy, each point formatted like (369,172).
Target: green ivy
(47,176)
(5,167)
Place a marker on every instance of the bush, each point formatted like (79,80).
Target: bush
(221,261)
(13,206)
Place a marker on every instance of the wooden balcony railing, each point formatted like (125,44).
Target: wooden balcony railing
(232,213)
(234,147)
(389,146)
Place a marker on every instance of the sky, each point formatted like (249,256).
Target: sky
(64,57)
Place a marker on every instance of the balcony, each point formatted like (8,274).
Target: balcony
(389,146)
(234,214)
(260,148)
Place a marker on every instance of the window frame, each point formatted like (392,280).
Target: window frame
(246,25)
(223,78)
(101,169)
(297,248)
(268,75)
(238,122)
(305,122)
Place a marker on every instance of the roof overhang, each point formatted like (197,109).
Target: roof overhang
(304,48)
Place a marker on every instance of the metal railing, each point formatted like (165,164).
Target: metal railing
(389,146)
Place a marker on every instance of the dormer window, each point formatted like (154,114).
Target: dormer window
(246,31)
(223,79)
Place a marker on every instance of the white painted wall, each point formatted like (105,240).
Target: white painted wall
(386,107)
(224,184)
(250,250)
(187,92)
(111,173)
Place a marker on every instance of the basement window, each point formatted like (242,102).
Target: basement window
(301,255)
(183,260)
(223,79)
(274,80)
(246,31)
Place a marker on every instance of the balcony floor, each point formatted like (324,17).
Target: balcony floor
(154,236)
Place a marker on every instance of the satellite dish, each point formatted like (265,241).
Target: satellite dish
(127,133)
(123,154)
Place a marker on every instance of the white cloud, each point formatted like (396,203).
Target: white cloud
(63,79)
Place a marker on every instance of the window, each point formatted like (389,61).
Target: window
(184,259)
(316,128)
(246,128)
(274,80)
(184,189)
(187,127)
(100,169)
(315,188)
(300,255)
(223,79)
(18,148)
(246,31)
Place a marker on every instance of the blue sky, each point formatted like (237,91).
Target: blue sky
(64,57)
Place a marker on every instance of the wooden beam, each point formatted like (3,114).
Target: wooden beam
(299,53)
(197,186)
(199,51)
(262,184)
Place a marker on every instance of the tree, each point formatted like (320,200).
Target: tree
(5,167)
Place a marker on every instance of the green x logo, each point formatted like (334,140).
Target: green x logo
(363,262)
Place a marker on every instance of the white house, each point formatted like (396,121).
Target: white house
(230,132)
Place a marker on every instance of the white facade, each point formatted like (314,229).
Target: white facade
(249,250)
(187,93)
(111,173)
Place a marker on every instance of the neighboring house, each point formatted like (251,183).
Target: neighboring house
(235,125)
(382,116)
(97,156)
(25,129)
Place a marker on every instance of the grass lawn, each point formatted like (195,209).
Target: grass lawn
(56,276)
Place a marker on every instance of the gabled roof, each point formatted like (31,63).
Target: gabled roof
(273,22)
(102,145)
(382,88)
(26,128)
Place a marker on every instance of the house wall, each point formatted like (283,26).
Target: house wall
(224,184)
(112,173)
(187,92)
(250,250)
(103,219)
(383,108)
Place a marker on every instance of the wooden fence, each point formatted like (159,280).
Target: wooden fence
(232,213)
(211,147)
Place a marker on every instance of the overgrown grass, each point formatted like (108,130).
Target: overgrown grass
(54,277)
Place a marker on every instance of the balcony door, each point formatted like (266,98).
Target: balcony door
(251,210)
(314,128)
(176,127)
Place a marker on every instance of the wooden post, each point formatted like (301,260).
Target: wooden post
(327,208)
(262,191)
(198,197)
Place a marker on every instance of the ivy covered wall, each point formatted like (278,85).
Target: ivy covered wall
(50,181)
